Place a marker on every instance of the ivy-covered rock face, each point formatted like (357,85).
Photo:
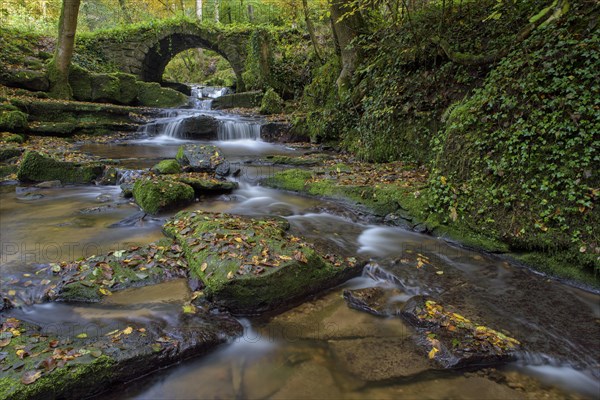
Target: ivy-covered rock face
(519,158)
(252,265)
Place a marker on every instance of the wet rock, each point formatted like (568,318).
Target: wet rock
(199,158)
(155,195)
(92,279)
(330,318)
(322,384)
(275,132)
(36,167)
(63,365)
(49,184)
(453,340)
(200,127)
(375,300)
(109,177)
(380,359)
(26,79)
(132,220)
(252,265)
(104,198)
(30,196)
(204,183)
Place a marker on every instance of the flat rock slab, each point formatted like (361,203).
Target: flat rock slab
(37,365)
(252,265)
(383,302)
(380,359)
(97,277)
(199,158)
(453,340)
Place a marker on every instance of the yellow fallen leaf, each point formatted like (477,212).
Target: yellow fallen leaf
(440,272)
(105,292)
(203,267)
(189,309)
(82,336)
(239,240)
(285,258)
(128,330)
(230,275)
(433,352)
(15,332)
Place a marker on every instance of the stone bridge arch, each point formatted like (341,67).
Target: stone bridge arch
(145,51)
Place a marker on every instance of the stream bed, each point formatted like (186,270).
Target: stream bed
(322,348)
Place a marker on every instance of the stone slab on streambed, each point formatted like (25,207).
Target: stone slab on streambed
(199,157)
(97,277)
(253,265)
(38,364)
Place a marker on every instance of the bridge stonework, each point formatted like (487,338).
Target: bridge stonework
(146,51)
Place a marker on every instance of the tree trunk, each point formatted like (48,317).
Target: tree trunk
(58,70)
(125,11)
(311,30)
(216,10)
(347,26)
(199,10)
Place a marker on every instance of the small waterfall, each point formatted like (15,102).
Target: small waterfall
(237,130)
(172,128)
(202,96)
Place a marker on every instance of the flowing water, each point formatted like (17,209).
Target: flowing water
(321,349)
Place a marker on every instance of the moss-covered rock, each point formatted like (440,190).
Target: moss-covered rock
(36,167)
(99,276)
(251,265)
(154,194)
(13,138)
(7,153)
(199,157)
(12,120)
(238,100)
(167,167)
(39,364)
(29,79)
(271,103)
(205,183)
(151,94)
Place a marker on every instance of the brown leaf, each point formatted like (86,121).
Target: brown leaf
(30,377)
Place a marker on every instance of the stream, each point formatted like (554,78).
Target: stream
(322,348)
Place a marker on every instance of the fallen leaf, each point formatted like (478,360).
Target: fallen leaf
(203,267)
(30,377)
(82,336)
(128,330)
(189,309)
(432,353)
(105,291)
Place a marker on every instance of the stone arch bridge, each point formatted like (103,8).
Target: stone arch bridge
(145,51)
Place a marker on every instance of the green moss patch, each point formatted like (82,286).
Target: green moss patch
(154,194)
(167,167)
(252,265)
(36,167)
(271,103)
(151,94)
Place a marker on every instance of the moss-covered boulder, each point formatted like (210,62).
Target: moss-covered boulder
(29,79)
(36,167)
(271,103)
(12,138)
(199,157)
(166,167)
(7,153)
(205,183)
(252,265)
(151,94)
(42,363)
(11,119)
(238,100)
(155,195)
